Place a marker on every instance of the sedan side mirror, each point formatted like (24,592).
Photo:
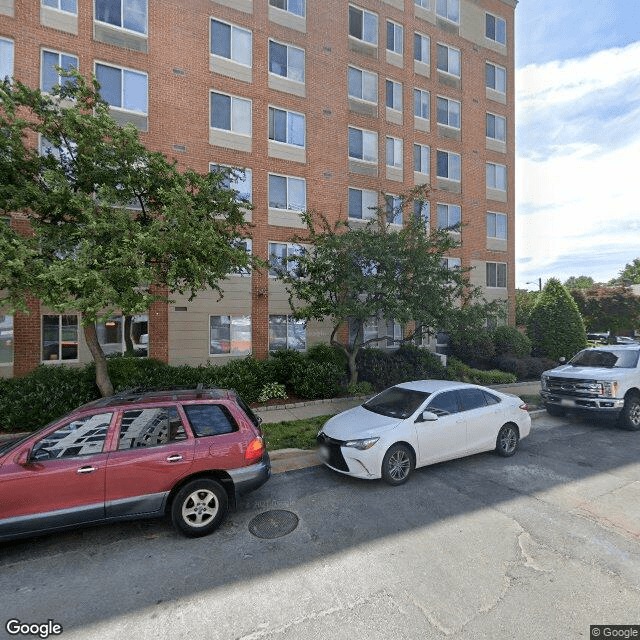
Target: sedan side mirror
(428,416)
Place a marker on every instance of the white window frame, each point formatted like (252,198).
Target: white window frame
(233,32)
(238,180)
(425,4)
(425,48)
(369,141)
(60,348)
(494,215)
(496,68)
(451,263)
(237,318)
(7,59)
(363,75)
(364,13)
(421,93)
(450,112)
(247,245)
(493,280)
(368,204)
(288,10)
(423,209)
(496,176)
(397,46)
(289,323)
(57,5)
(452,212)
(133,72)
(58,63)
(121,26)
(119,318)
(291,118)
(396,94)
(448,10)
(394,152)
(424,151)
(7,335)
(291,249)
(394,209)
(397,333)
(289,49)
(451,166)
(233,100)
(288,205)
(450,51)
(496,119)
(497,20)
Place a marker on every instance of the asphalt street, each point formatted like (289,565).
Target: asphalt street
(540,545)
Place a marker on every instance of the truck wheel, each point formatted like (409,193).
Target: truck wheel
(630,416)
(555,410)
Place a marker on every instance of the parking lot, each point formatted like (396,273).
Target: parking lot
(540,545)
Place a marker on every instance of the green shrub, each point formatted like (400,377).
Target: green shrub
(359,389)
(527,368)
(317,379)
(555,327)
(247,376)
(459,371)
(425,364)
(272,390)
(283,364)
(473,347)
(322,352)
(510,341)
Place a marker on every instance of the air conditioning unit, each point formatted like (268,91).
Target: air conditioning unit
(443,358)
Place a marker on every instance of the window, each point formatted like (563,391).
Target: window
(59,337)
(82,437)
(421,48)
(496,274)
(240,180)
(496,29)
(496,127)
(449,60)
(393,206)
(448,165)
(422,158)
(231,113)
(71,6)
(496,176)
(449,216)
(286,127)
(421,104)
(394,152)
(362,204)
(370,329)
(229,335)
(210,419)
(285,332)
(425,4)
(246,244)
(288,193)
(286,60)
(292,6)
(422,210)
(114,334)
(394,331)
(449,112)
(363,145)
(395,37)
(444,404)
(495,77)
(50,75)
(472,399)
(6,339)
(282,256)
(127,14)
(150,427)
(123,88)
(394,95)
(6,59)
(231,42)
(363,85)
(448,9)
(363,25)
(497,225)
(451,263)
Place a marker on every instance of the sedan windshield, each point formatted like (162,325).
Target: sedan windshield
(618,359)
(396,402)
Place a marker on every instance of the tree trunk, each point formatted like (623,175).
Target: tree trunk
(353,370)
(128,340)
(102,375)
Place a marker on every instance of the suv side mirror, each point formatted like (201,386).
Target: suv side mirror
(427,416)
(23,457)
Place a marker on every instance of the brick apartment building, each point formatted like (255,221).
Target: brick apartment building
(325,104)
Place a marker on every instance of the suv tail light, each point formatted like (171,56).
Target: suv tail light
(255,450)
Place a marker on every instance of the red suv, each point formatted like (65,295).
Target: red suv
(188,453)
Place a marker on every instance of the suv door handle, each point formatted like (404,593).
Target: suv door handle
(86,469)
(175,458)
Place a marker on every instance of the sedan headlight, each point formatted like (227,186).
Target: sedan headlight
(364,444)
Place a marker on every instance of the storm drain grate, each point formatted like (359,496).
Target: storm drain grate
(273,524)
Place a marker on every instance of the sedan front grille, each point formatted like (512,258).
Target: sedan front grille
(336,459)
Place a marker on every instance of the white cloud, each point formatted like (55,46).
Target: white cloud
(577,179)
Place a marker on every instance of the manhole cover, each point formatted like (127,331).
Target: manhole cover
(273,524)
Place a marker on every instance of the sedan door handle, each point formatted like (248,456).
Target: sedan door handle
(175,458)
(86,469)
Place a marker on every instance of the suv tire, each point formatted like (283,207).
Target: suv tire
(199,507)
(630,417)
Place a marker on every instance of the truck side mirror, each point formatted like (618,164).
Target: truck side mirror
(562,360)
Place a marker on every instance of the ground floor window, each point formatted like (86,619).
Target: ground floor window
(6,339)
(229,335)
(285,332)
(60,337)
(120,334)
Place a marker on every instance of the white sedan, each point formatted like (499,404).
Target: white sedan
(414,424)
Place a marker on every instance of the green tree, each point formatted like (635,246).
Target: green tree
(629,275)
(611,309)
(113,225)
(351,274)
(580,282)
(525,300)
(555,326)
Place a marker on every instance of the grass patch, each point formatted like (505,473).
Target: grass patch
(295,434)
(532,400)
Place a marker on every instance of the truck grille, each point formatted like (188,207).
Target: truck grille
(573,387)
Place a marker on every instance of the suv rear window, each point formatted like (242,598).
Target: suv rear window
(210,419)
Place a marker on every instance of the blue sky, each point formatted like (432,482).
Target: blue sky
(577,138)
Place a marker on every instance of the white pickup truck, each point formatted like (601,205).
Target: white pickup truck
(604,380)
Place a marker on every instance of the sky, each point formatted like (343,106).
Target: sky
(577,139)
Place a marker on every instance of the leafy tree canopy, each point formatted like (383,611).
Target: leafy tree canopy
(629,275)
(580,282)
(611,309)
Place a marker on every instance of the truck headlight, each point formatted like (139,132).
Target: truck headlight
(366,443)
(545,383)
(609,388)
